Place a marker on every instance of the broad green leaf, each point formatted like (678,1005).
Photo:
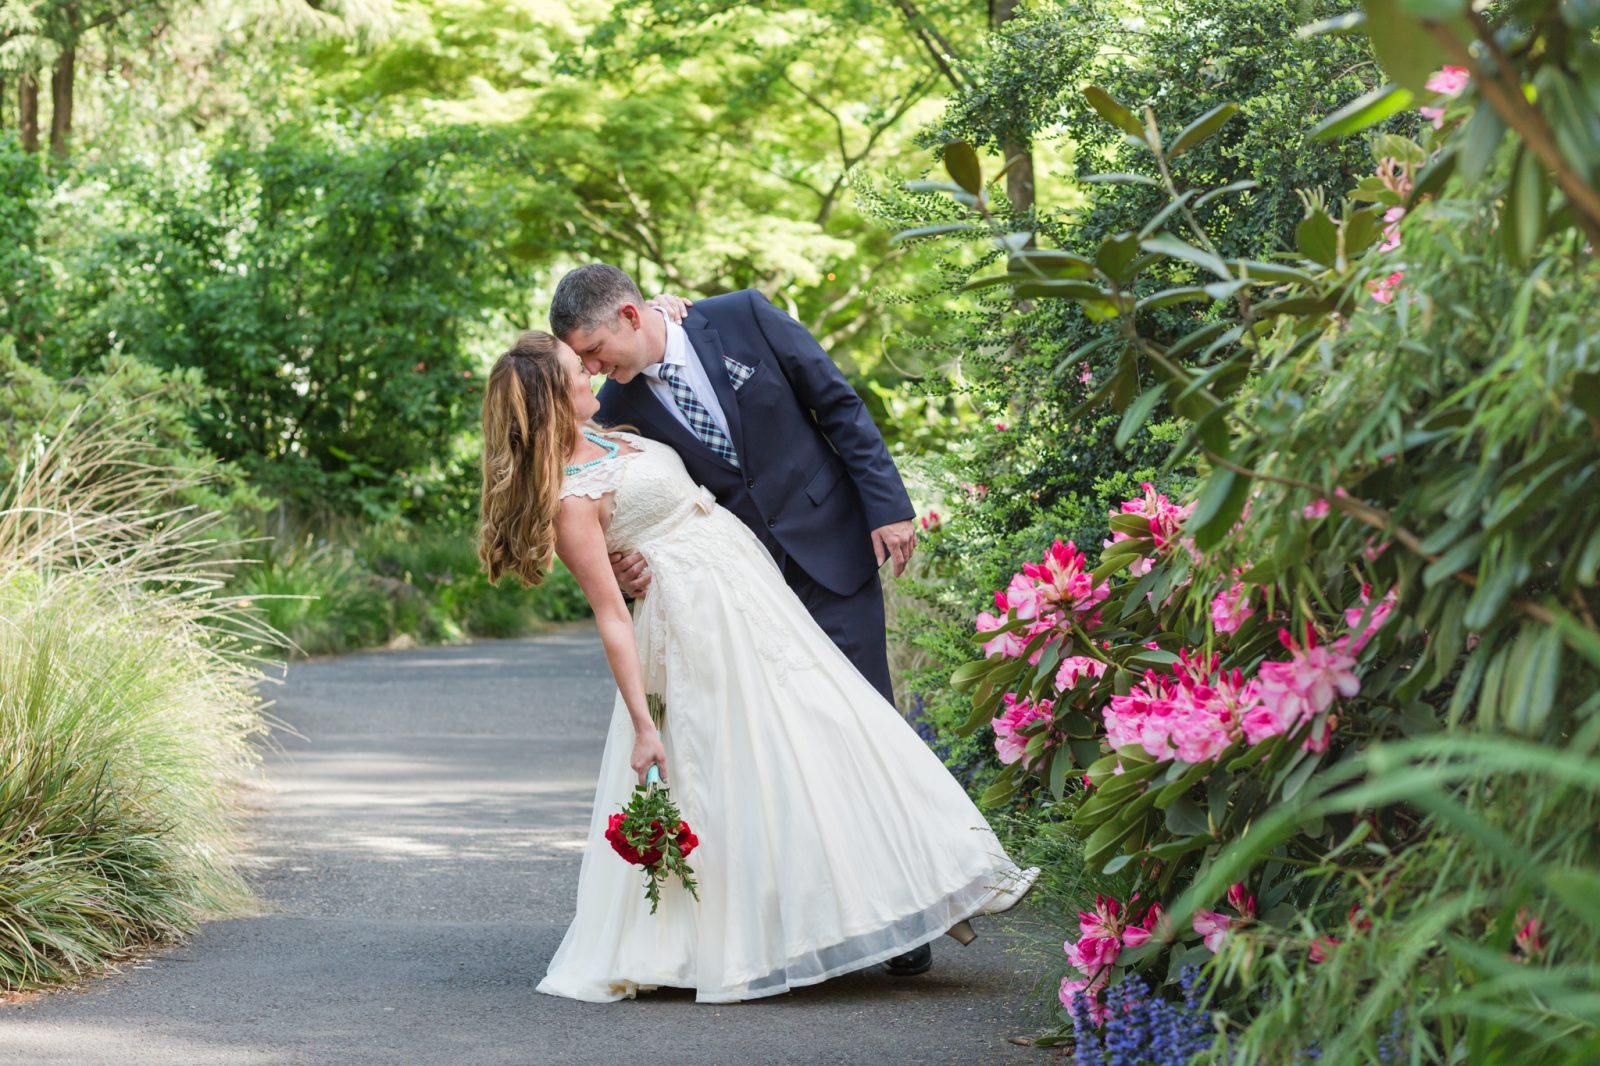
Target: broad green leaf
(1185,818)
(1133,418)
(1168,245)
(1168,297)
(962,163)
(1406,49)
(1362,112)
(1120,179)
(1318,238)
(1113,112)
(1478,141)
(934,231)
(1202,128)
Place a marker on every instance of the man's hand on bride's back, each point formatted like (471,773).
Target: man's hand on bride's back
(676,307)
(633,574)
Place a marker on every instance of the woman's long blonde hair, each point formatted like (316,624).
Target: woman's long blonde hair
(529,430)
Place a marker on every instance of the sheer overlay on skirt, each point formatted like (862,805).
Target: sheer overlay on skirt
(831,837)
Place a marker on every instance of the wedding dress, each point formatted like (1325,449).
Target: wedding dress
(831,837)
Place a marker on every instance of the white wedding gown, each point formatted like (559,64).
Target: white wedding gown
(831,837)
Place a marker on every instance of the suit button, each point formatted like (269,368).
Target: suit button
(771,522)
(750,483)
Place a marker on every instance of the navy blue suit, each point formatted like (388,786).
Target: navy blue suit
(814,477)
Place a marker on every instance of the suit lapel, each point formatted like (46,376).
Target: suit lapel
(708,347)
(649,409)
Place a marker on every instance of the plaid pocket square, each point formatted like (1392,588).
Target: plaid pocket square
(738,373)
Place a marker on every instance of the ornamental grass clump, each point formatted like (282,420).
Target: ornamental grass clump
(127,706)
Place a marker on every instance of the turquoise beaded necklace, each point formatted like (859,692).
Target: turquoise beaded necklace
(611,447)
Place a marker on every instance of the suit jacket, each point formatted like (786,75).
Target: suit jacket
(814,477)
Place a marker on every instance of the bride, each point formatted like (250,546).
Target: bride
(831,837)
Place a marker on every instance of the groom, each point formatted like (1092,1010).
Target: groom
(762,417)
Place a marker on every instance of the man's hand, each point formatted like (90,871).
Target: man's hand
(633,573)
(895,541)
(676,307)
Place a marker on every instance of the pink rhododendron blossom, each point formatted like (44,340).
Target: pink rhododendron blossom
(1213,927)
(1297,691)
(1374,616)
(1073,988)
(1011,733)
(1191,713)
(1076,667)
(1450,81)
(1320,508)
(1382,289)
(1009,645)
(1022,596)
(1391,229)
(1231,608)
(1104,921)
(1527,937)
(1063,580)
(1091,954)
(1447,82)
(1242,901)
(1166,523)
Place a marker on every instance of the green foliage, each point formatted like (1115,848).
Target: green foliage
(126,706)
(156,407)
(1054,471)
(325,285)
(1443,840)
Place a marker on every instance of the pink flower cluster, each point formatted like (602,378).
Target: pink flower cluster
(1230,608)
(1103,933)
(1011,733)
(1383,289)
(1213,926)
(1190,714)
(1166,520)
(1196,710)
(1076,667)
(1046,595)
(1448,82)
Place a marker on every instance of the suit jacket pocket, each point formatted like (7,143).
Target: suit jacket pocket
(823,481)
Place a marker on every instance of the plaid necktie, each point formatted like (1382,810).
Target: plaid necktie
(700,421)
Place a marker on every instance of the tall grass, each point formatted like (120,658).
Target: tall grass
(394,580)
(127,704)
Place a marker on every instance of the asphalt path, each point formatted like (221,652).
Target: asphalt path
(417,848)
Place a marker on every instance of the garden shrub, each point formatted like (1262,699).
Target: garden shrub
(1333,712)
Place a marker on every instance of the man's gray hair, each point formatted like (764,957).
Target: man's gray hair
(589,296)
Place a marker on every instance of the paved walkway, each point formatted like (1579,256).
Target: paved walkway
(417,851)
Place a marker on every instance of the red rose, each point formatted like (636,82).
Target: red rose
(619,842)
(687,841)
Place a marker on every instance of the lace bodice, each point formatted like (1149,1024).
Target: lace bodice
(686,539)
(653,492)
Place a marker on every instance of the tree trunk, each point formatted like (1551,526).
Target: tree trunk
(61,85)
(1014,143)
(28,111)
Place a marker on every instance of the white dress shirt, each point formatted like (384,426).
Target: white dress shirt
(681,354)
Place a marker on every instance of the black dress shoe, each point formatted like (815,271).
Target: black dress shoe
(913,962)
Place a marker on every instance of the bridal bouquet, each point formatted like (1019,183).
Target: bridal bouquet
(639,835)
